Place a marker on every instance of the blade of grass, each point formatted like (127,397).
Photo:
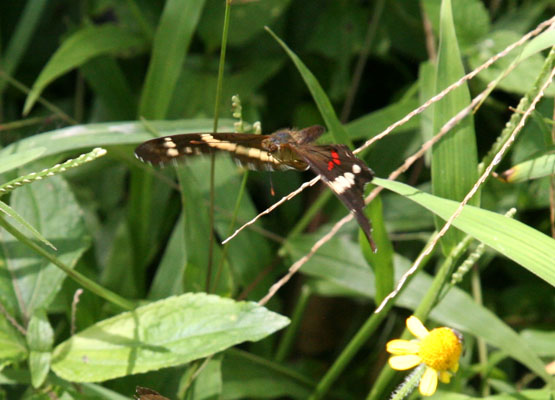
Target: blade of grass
(19,39)
(171,42)
(524,245)
(325,107)
(454,157)
(211,240)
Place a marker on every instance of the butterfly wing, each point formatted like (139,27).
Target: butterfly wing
(346,176)
(247,150)
(143,393)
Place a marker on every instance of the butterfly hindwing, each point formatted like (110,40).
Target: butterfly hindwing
(345,175)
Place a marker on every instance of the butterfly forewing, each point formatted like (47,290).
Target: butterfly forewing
(247,150)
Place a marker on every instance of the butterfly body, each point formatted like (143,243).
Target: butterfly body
(338,167)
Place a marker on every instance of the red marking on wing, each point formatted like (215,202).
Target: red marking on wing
(334,160)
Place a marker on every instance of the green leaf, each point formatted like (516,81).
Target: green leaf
(197,233)
(40,337)
(470,18)
(166,333)
(50,206)
(20,38)
(530,60)
(454,157)
(13,347)
(77,49)
(247,376)
(208,384)
(105,134)
(247,20)
(337,130)
(542,342)
(13,161)
(108,81)
(524,245)
(171,42)
(381,261)
(531,169)
(530,394)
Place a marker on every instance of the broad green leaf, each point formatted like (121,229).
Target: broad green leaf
(78,137)
(171,42)
(166,333)
(77,49)
(50,206)
(320,98)
(531,169)
(10,162)
(524,245)
(341,263)
(454,157)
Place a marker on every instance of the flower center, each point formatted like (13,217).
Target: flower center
(441,349)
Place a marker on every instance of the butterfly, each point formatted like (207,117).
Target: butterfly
(142,393)
(285,149)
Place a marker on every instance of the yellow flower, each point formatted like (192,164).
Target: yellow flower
(438,349)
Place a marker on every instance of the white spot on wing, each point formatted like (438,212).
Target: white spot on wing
(356,168)
(343,182)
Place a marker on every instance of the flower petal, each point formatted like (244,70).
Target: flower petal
(401,363)
(401,347)
(416,327)
(444,377)
(428,383)
(455,367)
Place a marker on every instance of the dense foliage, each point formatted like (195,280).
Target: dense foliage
(113,275)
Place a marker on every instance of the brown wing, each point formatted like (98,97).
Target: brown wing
(346,176)
(143,393)
(246,149)
(308,134)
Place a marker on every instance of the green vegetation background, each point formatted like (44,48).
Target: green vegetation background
(131,234)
